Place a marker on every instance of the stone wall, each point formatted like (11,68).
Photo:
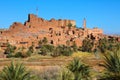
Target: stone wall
(35,21)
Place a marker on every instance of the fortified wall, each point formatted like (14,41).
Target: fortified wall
(34,21)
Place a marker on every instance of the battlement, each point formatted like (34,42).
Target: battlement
(36,21)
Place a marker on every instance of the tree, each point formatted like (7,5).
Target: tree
(30,50)
(40,43)
(62,50)
(44,40)
(46,49)
(68,42)
(80,70)
(10,50)
(15,72)
(87,45)
(74,46)
(70,25)
(103,45)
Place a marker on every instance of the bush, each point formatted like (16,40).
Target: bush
(74,46)
(46,49)
(28,53)
(87,45)
(80,70)
(66,74)
(9,55)
(18,55)
(10,49)
(70,25)
(112,66)
(15,72)
(62,50)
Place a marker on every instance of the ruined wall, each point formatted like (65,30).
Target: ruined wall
(95,31)
(34,21)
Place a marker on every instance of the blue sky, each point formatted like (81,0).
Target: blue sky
(104,14)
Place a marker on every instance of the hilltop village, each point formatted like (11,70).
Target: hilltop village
(57,32)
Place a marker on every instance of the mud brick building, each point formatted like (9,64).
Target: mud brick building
(57,32)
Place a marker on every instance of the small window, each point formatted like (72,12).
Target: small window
(29,26)
(73,32)
(51,41)
(1,32)
(50,29)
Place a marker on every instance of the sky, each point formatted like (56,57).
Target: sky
(104,14)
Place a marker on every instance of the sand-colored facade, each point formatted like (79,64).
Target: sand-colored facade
(57,32)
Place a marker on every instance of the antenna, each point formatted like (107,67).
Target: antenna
(37,11)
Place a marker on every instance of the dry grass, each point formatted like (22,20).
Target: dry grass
(82,54)
(39,62)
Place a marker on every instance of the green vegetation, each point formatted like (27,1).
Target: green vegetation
(103,45)
(10,50)
(44,41)
(55,51)
(80,70)
(15,72)
(70,25)
(112,66)
(67,74)
(76,70)
(46,49)
(87,45)
(63,50)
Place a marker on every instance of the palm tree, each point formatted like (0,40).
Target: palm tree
(15,72)
(80,70)
(112,66)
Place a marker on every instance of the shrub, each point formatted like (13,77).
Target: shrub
(18,55)
(87,45)
(10,49)
(62,50)
(46,49)
(70,25)
(74,46)
(44,41)
(66,74)
(80,70)
(112,66)
(15,72)
(103,45)
(28,53)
